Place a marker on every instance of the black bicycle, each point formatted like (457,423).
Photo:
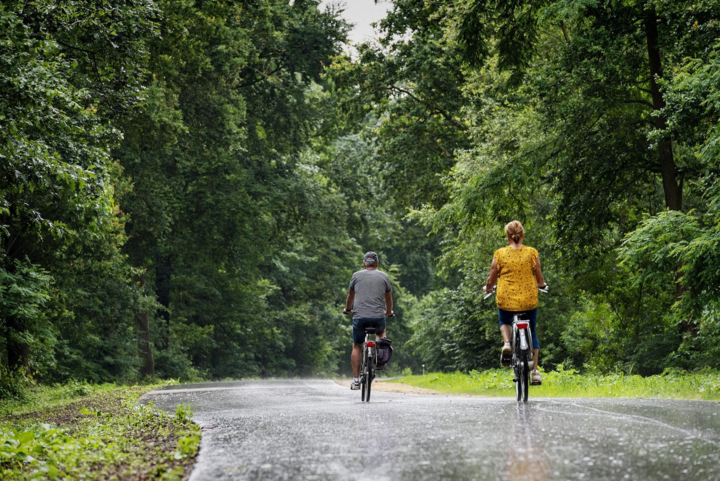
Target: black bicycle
(522,353)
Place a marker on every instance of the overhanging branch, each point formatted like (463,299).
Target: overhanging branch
(430,105)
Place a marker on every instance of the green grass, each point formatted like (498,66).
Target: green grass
(78,431)
(498,382)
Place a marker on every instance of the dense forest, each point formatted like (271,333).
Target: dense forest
(187,186)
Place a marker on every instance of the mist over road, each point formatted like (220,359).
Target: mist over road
(300,429)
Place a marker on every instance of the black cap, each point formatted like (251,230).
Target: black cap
(371,258)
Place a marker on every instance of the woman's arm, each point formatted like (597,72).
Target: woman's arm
(492,278)
(538,274)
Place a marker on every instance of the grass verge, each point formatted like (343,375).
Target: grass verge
(79,431)
(671,384)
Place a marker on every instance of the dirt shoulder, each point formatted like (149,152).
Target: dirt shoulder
(384,386)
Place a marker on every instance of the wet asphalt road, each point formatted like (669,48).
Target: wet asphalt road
(275,430)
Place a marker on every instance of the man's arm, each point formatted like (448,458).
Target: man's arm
(492,278)
(388,304)
(349,301)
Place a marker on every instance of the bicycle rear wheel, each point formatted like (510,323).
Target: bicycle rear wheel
(368,377)
(524,379)
(363,379)
(517,365)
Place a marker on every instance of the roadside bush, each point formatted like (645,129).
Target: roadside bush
(14,385)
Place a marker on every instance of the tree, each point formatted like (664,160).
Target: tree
(219,191)
(56,196)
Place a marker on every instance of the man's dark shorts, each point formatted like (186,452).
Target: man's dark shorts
(506,317)
(359,326)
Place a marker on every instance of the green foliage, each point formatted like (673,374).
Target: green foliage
(705,348)
(566,129)
(228,216)
(14,385)
(211,110)
(186,187)
(66,287)
(116,437)
(24,293)
(453,332)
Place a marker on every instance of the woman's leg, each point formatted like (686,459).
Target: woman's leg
(506,332)
(506,318)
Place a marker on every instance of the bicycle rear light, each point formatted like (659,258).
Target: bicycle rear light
(522,325)
(370,344)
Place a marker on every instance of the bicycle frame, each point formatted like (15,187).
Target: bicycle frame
(522,334)
(521,355)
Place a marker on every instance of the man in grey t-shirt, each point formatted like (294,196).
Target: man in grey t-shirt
(370,301)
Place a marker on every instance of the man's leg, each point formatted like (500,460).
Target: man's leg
(381,325)
(356,359)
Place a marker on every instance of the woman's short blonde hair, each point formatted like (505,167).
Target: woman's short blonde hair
(515,230)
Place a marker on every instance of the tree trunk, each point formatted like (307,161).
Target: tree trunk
(163,276)
(671,187)
(142,321)
(673,194)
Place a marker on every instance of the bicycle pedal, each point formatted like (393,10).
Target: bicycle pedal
(505,361)
(535,383)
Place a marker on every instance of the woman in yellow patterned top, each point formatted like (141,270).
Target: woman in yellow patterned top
(516,269)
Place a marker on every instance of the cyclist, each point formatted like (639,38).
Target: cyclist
(516,269)
(370,301)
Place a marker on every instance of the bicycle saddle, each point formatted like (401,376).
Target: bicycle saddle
(370,330)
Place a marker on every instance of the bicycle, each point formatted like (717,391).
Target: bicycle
(369,361)
(522,353)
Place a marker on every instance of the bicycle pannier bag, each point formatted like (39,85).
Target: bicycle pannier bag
(384,351)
